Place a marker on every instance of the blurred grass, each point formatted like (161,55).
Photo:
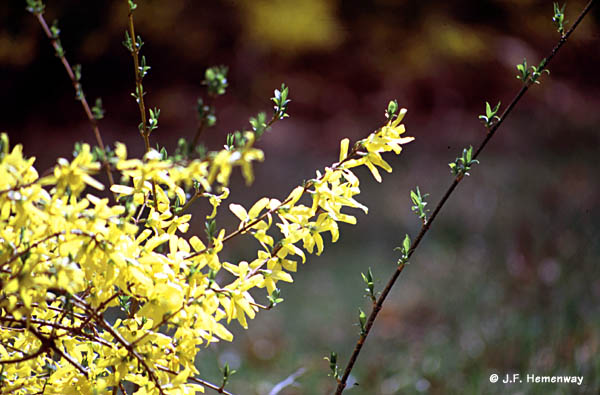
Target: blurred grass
(506,282)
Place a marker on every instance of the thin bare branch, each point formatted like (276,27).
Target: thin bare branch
(426,226)
(139,91)
(80,95)
(290,380)
(197,381)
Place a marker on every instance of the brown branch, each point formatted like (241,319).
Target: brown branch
(55,325)
(16,187)
(135,51)
(142,208)
(139,92)
(37,243)
(260,306)
(244,228)
(199,192)
(43,348)
(76,232)
(49,342)
(100,308)
(426,226)
(201,126)
(197,380)
(80,94)
(130,349)
(165,319)
(53,308)
(355,153)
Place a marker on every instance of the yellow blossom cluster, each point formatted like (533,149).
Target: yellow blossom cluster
(97,295)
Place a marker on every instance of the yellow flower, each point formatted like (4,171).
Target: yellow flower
(225,160)
(165,299)
(63,255)
(75,175)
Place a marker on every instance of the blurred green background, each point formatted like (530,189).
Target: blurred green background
(508,279)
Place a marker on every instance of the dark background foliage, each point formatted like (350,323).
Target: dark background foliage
(507,281)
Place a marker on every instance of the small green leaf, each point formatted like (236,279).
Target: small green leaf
(462,164)
(536,72)
(132,5)
(490,114)
(54,30)
(60,51)
(406,244)
(419,204)
(143,67)
(281,102)
(259,124)
(368,280)
(227,373)
(559,18)
(35,6)
(362,320)
(210,227)
(523,71)
(153,120)
(215,79)
(404,250)
(333,367)
(97,110)
(139,43)
(127,43)
(274,298)
(392,109)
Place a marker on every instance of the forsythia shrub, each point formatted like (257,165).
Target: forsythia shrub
(68,257)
